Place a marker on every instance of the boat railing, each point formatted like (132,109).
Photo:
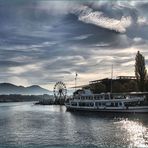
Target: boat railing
(106,96)
(91,97)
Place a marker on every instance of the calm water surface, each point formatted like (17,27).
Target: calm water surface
(31,126)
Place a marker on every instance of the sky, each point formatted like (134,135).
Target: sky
(43,42)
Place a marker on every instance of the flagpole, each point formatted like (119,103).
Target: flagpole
(76,81)
(111,78)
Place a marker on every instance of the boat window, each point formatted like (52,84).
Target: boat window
(112,104)
(74,103)
(103,103)
(120,103)
(126,104)
(98,104)
(86,104)
(108,104)
(81,104)
(116,104)
(91,104)
(107,97)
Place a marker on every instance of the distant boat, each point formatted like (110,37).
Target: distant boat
(106,102)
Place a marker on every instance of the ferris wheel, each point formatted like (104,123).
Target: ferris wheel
(60,91)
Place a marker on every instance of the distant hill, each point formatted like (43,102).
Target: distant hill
(8,88)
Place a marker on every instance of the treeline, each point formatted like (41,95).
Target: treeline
(22,98)
(51,102)
(117,86)
(140,84)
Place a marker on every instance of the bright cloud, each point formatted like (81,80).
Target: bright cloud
(142,20)
(97,18)
(43,42)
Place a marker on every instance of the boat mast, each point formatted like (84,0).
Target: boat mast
(111,89)
(76,80)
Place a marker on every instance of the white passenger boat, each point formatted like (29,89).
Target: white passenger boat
(106,102)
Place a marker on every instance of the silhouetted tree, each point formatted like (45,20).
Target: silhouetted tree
(117,87)
(140,70)
(98,88)
(132,86)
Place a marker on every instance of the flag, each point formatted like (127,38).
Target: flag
(76,76)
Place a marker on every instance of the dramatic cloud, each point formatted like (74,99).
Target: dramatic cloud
(142,21)
(42,42)
(97,18)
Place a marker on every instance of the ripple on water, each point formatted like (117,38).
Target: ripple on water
(25,125)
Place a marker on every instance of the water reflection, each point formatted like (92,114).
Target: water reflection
(136,132)
(25,124)
(128,130)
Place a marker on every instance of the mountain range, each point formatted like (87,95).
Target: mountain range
(8,88)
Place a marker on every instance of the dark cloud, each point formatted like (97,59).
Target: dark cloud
(42,42)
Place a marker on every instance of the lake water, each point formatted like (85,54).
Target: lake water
(24,125)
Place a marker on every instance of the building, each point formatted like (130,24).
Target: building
(109,82)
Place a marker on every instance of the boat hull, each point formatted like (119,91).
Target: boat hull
(143,109)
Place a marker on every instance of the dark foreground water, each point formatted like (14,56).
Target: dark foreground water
(24,125)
